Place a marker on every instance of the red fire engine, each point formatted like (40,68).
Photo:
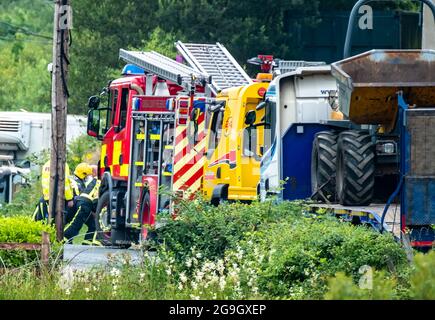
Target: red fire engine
(150,147)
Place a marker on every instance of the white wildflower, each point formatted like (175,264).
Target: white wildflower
(194,285)
(198,255)
(115,272)
(183,277)
(66,280)
(87,290)
(199,276)
(222,283)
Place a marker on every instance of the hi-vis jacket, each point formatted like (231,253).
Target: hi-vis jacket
(45,181)
(91,189)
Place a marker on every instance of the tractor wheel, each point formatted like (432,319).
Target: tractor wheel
(355,168)
(102,219)
(323,166)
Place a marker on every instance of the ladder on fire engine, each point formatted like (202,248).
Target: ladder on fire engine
(214,60)
(155,63)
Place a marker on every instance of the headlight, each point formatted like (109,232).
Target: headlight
(386,148)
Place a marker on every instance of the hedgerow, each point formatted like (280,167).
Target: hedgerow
(291,253)
(21,229)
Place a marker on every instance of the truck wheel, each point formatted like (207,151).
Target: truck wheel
(323,166)
(102,219)
(220,195)
(355,168)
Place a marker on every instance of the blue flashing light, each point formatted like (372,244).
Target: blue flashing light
(136,104)
(132,70)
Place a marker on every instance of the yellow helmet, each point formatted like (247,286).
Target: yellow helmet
(83,170)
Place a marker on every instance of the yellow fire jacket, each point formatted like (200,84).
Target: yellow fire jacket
(45,181)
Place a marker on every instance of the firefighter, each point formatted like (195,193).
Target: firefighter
(41,210)
(82,171)
(86,203)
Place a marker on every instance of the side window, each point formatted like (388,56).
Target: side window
(270,124)
(123,108)
(250,142)
(215,132)
(114,102)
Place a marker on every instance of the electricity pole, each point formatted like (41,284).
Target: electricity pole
(59,102)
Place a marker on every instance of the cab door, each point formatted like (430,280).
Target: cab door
(120,137)
(252,145)
(215,153)
(106,159)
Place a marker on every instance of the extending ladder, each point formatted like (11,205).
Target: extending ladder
(163,67)
(214,60)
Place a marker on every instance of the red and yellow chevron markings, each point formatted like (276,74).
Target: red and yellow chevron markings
(189,159)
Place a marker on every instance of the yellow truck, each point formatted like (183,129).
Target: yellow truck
(234,143)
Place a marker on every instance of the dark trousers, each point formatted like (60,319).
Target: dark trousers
(82,216)
(41,212)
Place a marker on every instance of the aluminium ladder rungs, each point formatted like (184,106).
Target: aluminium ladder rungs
(160,65)
(214,60)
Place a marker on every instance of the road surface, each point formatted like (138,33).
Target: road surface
(82,257)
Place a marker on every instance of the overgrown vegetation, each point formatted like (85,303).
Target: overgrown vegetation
(238,251)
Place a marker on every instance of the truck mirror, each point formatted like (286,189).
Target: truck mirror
(250,118)
(93,123)
(94,102)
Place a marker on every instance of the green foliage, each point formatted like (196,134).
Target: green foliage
(83,149)
(21,229)
(422,278)
(213,230)
(343,287)
(162,42)
(304,253)
(420,283)
(298,252)
(25,51)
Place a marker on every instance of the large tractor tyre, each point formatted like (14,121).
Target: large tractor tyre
(323,166)
(355,168)
(102,221)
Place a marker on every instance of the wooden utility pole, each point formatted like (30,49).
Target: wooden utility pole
(59,102)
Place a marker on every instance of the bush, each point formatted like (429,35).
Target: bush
(21,230)
(343,287)
(423,277)
(292,254)
(214,230)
